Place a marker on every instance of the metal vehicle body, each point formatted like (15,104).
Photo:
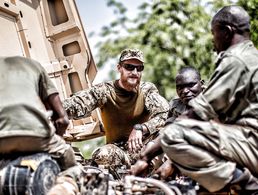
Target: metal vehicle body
(51,32)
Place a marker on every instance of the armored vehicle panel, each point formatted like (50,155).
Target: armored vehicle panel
(51,32)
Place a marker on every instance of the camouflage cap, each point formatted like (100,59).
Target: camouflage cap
(128,54)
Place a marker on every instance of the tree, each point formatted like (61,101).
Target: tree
(252,6)
(171,33)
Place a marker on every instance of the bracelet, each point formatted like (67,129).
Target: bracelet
(138,127)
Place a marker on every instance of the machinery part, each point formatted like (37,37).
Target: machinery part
(15,180)
(130,179)
(44,177)
(30,175)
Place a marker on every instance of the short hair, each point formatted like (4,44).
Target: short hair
(189,68)
(233,15)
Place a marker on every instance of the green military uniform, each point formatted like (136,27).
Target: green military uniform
(120,109)
(210,149)
(24,123)
(24,83)
(176,108)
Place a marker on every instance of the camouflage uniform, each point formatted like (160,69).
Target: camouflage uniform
(152,114)
(210,149)
(111,155)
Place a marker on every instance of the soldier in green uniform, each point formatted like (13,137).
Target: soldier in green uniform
(188,85)
(25,127)
(130,109)
(215,143)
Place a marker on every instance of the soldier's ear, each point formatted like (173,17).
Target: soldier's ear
(229,32)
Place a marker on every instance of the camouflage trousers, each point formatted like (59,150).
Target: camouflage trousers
(114,155)
(118,155)
(208,151)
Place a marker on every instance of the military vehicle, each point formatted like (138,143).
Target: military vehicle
(51,32)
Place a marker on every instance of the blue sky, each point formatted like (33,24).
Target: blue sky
(95,14)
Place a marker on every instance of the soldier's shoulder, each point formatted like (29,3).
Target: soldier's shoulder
(147,86)
(23,61)
(19,59)
(102,89)
(106,84)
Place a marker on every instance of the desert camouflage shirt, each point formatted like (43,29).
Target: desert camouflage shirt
(232,93)
(84,102)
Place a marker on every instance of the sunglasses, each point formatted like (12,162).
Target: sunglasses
(131,67)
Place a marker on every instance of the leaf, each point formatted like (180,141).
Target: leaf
(171,33)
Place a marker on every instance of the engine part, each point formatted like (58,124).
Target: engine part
(30,175)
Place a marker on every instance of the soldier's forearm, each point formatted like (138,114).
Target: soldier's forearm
(152,150)
(75,108)
(155,122)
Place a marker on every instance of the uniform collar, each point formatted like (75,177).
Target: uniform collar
(231,49)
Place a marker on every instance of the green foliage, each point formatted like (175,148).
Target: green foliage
(252,6)
(171,33)
(88,146)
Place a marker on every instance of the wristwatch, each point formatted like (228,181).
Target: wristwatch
(138,127)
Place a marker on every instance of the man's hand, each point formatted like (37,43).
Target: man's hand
(139,167)
(61,125)
(135,140)
(165,170)
(59,116)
